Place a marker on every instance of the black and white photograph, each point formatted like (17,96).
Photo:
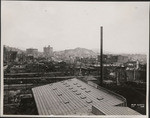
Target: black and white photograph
(74,58)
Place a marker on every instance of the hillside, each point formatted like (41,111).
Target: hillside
(77,52)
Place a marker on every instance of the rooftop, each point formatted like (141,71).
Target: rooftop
(74,97)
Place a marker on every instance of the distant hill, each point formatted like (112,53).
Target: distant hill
(77,52)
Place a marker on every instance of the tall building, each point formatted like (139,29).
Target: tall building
(32,52)
(9,55)
(48,51)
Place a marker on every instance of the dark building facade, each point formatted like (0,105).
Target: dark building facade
(9,56)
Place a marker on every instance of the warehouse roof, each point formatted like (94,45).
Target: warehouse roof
(73,96)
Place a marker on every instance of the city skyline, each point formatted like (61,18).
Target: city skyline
(68,25)
(95,51)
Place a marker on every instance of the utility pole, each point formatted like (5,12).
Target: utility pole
(134,75)
(101,50)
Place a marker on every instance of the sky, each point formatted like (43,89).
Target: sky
(68,25)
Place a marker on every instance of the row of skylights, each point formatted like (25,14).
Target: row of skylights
(77,92)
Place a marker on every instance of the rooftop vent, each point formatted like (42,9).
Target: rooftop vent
(82,97)
(66,102)
(87,91)
(54,88)
(75,83)
(51,84)
(78,93)
(64,83)
(67,85)
(71,88)
(89,101)
(59,94)
(99,98)
(79,86)
(74,90)
(83,88)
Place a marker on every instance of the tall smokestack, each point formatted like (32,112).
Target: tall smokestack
(101,62)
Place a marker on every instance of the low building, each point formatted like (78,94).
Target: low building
(75,97)
(32,52)
(18,69)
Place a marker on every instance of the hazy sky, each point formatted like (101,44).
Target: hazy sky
(64,25)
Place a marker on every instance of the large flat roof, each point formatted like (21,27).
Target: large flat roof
(73,96)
